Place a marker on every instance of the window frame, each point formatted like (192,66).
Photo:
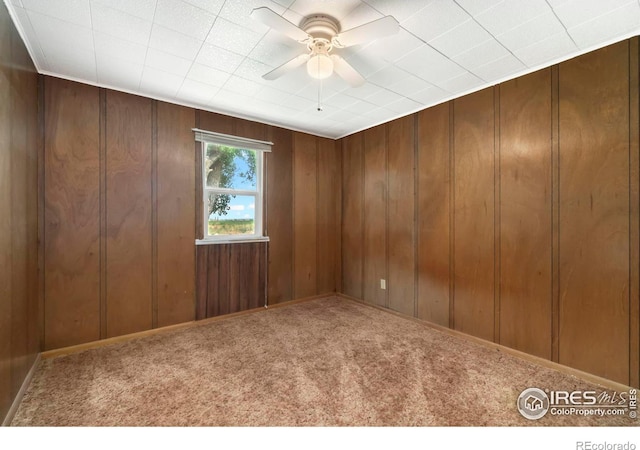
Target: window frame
(259,147)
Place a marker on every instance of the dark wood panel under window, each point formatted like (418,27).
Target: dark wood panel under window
(594,212)
(525,214)
(129,210)
(72,213)
(474,214)
(375,216)
(175,215)
(232,278)
(433,214)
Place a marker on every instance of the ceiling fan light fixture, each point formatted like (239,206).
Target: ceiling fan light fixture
(320,33)
(320,66)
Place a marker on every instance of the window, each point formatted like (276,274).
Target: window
(232,185)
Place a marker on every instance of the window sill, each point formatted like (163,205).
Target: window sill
(232,241)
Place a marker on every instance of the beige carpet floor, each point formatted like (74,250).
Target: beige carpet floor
(327,362)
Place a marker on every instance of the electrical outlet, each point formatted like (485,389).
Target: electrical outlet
(383,283)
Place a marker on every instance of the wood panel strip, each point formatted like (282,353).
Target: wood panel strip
(386,219)
(41,209)
(218,280)
(236,273)
(251,130)
(72,213)
(452,217)
(217,295)
(416,213)
(318,222)
(352,215)
(129,213)
(224,289)
(154,214)
(176,188)
(496,214)
(305,214)
(634,212)
(328,214)
(279,219)
(262,281)
(19,223)
(33,147)
(474,214)
(375,215)
(525,219)
(103,212)
(433,223)
(199,212)
(338,187)
(202,281)
(555,214)
(401,220)
(218,123)
(259,255)
(20,227)
(6,218)
(594,212)
(254,294)
(247,278)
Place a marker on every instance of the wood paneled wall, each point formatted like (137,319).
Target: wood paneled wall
(523,213)
(20,139)
(115,232)
(120,178)
(594,200)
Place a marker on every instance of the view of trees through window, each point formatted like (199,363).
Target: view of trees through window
(231,188)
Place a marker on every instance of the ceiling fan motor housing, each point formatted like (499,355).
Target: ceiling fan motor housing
(321,26)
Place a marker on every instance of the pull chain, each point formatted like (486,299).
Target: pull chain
(319,95)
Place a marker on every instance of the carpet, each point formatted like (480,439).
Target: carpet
(325,362)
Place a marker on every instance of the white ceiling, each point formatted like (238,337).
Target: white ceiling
(211,55)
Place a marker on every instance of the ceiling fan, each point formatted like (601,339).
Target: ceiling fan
(321,34)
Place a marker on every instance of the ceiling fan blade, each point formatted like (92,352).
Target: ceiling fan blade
(277,22)
(347,72)
(385,26)
(286,67)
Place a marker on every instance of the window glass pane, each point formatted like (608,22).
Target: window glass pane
(230,168)
(231,214)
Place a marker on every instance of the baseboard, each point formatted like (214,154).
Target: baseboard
(302,300)
(155,331)
(585,376)
(23,389)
